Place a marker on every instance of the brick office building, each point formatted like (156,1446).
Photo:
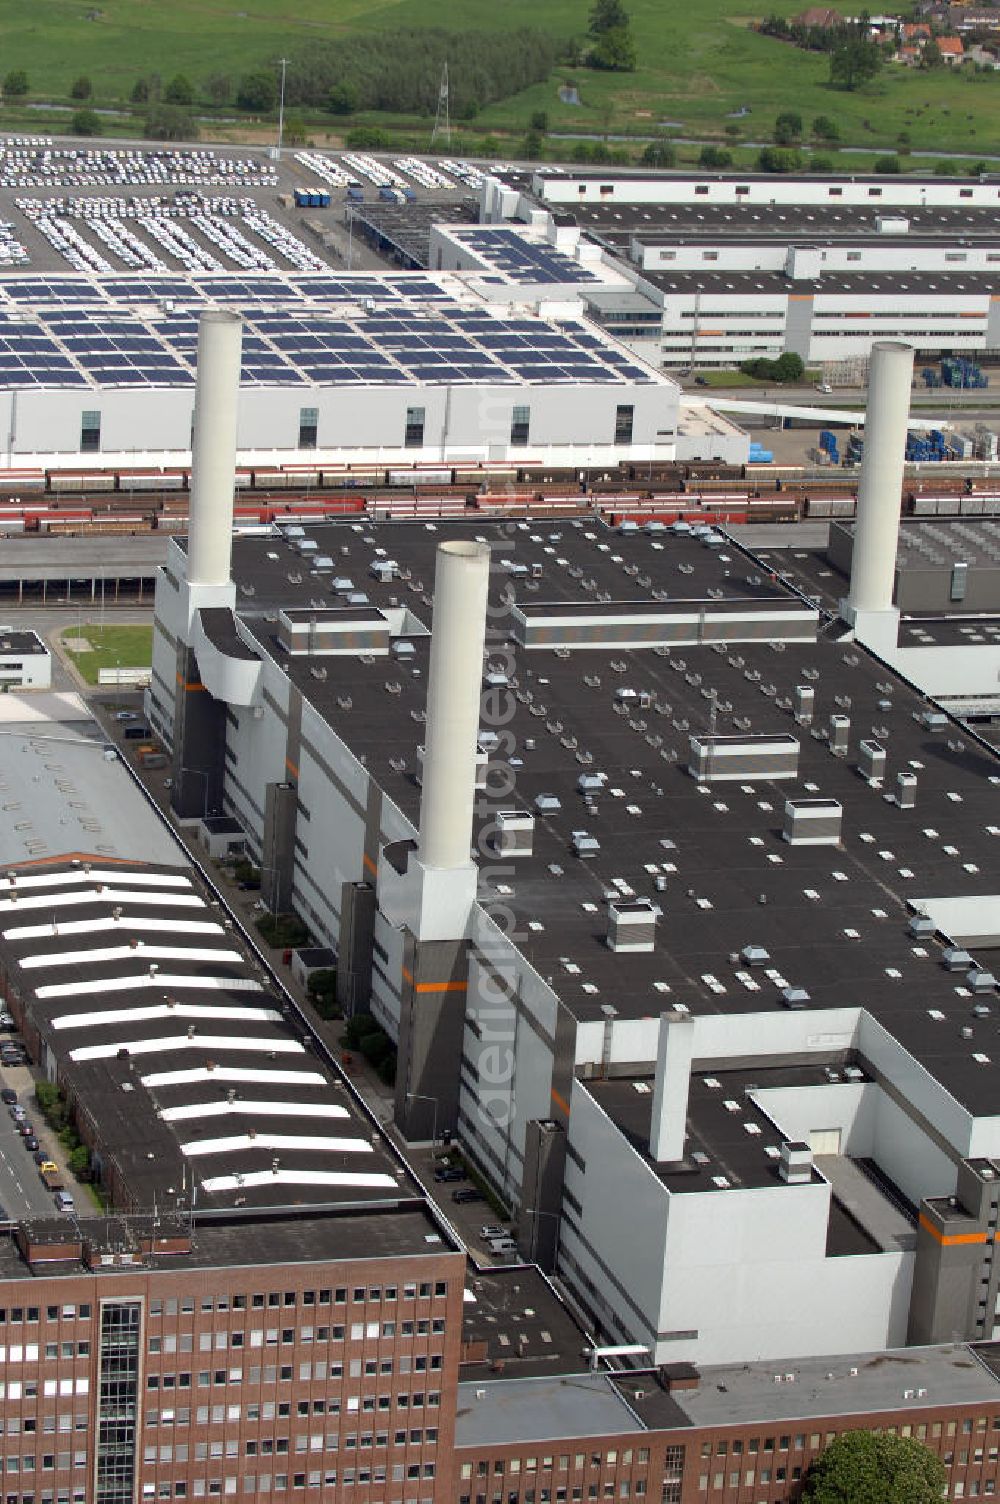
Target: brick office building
(744,1434)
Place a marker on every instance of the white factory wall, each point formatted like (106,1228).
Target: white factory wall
(799,1111)
(748,1270)
(387,975)
(732,1275)
(908,1155)
(26,670)
(594,188)
(330,828)
(621,1228)
(169,625)
(255,754)
(509,1043)
(773,256)
(473,418)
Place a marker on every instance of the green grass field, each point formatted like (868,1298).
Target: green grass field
(112,647)
(698,63)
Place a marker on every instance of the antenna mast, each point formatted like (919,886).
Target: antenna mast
(442,121)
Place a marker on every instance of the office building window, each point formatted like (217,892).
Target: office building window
(308,427)
(623,424)
(414,436)
(520,420)
(90,432)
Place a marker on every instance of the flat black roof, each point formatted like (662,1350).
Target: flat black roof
(806,224)
(923,285)
(833,919)
(299,1236)
(525,1327)
(21,643)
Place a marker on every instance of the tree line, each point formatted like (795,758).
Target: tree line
(400,71)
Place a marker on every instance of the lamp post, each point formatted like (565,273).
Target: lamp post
(198,773)
(281,103)
(417,1096)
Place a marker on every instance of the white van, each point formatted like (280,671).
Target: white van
(64,1201)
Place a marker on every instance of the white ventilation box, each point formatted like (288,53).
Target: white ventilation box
(515,833)
(631,925)
(813,822)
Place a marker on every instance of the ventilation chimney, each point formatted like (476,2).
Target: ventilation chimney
(515,833)
(453,700)
(213,447)
(674,1053)
(796,1163)
(631,925)
(873,562)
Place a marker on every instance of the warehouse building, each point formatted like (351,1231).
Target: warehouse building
(392,369)
(690,1007)
(25,661)
(723,269)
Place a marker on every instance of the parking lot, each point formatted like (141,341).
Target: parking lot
(121,207)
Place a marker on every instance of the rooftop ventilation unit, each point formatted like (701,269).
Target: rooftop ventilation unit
(906,790)
(871,760)
(921,927)
(796,1163)
(715,759)
(515,832)
(804,703)
(631,925)
(584,844)
(840,731)
(813,822)
(954,958)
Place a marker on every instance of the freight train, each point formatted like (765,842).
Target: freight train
(139,501)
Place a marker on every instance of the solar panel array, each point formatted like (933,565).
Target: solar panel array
(291,343)
(270,287)
(521,260)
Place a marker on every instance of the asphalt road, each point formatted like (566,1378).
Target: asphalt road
(21,1192)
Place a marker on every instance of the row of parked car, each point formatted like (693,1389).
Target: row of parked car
(496,1237)
(47,1168)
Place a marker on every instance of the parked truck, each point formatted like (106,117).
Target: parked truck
(52,1176)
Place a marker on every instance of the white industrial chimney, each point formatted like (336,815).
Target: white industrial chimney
(213,448)
(454,690)
(873,562)
(674,1053)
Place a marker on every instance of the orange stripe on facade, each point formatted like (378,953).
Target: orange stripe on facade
(951,1240)
(370,865)
(292,767)
(188,686)
(434,986)
(560,1102)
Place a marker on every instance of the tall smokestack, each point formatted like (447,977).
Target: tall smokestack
(873,563)
(454,690)
(213,448)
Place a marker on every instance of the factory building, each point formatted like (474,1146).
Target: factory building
(393,370)
(719,270)
(25,661)
(677,901)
